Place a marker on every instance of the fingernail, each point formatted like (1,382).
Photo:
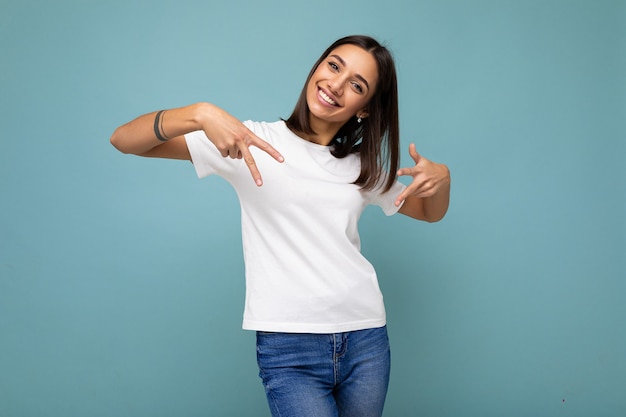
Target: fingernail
(259,182)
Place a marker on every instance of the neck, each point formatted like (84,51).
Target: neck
(324,131)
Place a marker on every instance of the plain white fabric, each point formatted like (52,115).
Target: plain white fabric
(304,269)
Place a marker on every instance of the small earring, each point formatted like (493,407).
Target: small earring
(359,120)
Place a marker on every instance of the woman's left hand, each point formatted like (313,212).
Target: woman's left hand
(428,177)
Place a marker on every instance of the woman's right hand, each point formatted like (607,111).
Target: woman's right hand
(233,139)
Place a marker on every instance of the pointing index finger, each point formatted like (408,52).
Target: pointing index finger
(266,147)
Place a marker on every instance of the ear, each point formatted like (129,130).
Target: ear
(363,114)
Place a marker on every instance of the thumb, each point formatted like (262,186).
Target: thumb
(414,154)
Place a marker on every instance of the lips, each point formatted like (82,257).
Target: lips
(326,98)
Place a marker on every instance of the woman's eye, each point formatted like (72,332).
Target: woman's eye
(333,65)
(357,87)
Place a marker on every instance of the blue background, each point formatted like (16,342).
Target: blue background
(121,281)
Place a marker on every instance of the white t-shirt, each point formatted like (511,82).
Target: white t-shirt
(304,269)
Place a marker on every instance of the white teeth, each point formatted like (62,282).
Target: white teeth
(326,98)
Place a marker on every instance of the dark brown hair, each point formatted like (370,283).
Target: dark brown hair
(376,139)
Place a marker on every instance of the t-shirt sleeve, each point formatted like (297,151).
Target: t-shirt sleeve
(206,158)
(201,150)
(386,201)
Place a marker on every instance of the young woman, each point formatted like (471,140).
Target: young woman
(311,296)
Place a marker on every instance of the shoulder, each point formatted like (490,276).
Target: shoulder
(268,128)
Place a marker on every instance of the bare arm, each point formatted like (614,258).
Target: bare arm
(138,136)
(141,135)
(428,196)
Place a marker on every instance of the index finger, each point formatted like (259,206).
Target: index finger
(266,147)
(401,197)
(411,189)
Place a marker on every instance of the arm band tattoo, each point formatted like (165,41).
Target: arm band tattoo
(158,126)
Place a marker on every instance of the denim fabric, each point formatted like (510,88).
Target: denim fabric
(324,375)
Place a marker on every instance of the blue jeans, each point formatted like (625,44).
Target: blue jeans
(325,375)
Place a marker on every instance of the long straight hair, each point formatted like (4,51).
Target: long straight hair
(376,139)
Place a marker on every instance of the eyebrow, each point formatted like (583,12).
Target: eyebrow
(359,76)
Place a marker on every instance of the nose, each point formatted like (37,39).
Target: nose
(335,85)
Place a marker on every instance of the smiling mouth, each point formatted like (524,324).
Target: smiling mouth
(326,98)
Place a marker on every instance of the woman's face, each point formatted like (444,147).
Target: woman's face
(342,85)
